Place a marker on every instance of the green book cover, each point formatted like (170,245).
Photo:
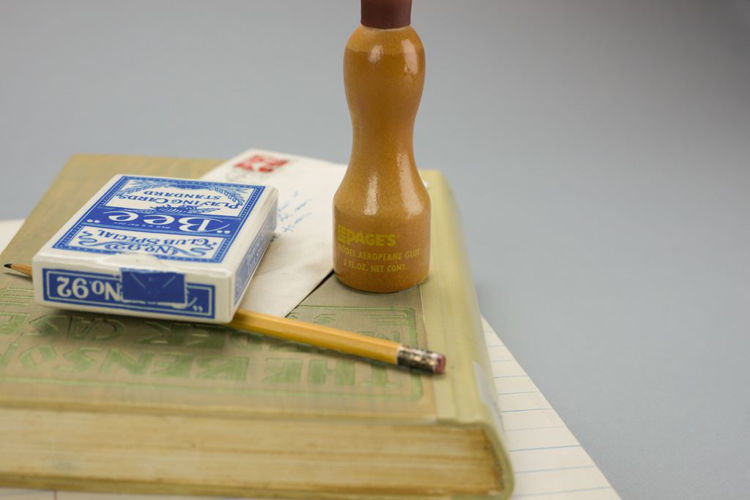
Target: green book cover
(112,403)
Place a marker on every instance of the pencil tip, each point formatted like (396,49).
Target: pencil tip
(8,266)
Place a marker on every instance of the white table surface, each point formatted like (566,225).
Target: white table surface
(599,150)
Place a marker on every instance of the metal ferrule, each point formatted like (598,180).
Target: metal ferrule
(419,358)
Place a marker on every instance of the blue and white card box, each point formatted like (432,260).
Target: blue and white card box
(159,247)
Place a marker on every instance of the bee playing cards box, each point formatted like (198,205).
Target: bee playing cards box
(159,247)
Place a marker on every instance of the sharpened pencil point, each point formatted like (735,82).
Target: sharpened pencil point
(24,269)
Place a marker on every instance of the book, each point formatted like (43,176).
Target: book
(112,403)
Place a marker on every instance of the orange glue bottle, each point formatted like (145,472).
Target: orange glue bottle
(381,210)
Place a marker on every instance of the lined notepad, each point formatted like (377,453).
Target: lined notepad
(549,461)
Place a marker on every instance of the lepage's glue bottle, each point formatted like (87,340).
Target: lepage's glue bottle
(381,211)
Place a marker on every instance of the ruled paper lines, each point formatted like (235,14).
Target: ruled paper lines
(548,460)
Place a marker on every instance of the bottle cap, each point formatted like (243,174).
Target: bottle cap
(386,14)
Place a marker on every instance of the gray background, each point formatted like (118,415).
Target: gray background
(598,151)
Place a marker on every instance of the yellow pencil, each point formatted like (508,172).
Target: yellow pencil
(326,337)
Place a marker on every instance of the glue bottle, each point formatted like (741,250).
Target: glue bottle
(381,211)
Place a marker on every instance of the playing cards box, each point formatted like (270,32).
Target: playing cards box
(159,247)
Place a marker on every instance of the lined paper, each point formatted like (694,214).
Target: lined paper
(548,461)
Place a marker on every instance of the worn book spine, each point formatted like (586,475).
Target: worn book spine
(455,326)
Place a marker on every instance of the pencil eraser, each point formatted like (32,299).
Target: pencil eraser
(159,247)
(440,366)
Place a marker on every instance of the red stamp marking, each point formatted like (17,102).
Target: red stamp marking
(261,163)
